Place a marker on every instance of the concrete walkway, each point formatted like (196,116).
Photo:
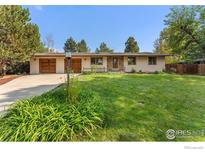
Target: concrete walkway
(27,86)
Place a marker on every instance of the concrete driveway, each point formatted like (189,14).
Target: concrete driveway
(27,86)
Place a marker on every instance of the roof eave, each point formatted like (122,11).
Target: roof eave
(96,54)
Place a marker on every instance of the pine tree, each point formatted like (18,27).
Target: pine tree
(131,45)
(70,45)
(103,48)
(82,46)
(19,38)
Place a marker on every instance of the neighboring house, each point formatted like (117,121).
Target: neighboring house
(99,62)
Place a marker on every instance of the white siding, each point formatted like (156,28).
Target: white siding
(60,65)
(142,64)
(86,63)
(34,66)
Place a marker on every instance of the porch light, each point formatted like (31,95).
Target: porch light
(68,54)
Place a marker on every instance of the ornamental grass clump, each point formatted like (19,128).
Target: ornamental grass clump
(49,118)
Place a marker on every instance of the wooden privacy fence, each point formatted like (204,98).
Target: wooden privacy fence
(186,68)
(201,69)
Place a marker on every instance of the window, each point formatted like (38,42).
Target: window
(131,60)
(152,60)
(96,61)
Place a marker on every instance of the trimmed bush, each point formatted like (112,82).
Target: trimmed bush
(133,70)
(49,118)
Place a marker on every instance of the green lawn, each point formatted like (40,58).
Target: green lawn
(141,107)
(127,107)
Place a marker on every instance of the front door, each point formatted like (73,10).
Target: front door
(115,62)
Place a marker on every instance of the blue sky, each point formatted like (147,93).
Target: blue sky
(96,24)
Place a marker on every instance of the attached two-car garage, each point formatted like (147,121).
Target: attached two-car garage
(49,65)
(53,63)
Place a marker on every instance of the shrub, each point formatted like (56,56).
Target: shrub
(156,72)
(133,70)
(86,72)
(93,68)
(49,118)
(18,68)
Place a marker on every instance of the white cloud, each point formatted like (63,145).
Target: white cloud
(38,7)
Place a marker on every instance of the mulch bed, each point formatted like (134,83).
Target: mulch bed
(7,79)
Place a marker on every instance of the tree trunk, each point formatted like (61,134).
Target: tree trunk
(2,69)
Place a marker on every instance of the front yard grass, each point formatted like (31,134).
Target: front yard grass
(142,107)
(136,107)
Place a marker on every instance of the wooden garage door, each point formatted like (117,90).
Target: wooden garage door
(47,65)
(75,65)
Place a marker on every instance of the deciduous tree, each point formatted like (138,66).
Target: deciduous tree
(159,46)
(49,43)
(185,32)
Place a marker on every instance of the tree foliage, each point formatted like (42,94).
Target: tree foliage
(160,46)
(82,46)
(70,45)
(103,48)
(131,45)
(19,38)
(184,33)
(73,46)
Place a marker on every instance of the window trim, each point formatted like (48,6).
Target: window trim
(135,62)
(152,61)
(95,61)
